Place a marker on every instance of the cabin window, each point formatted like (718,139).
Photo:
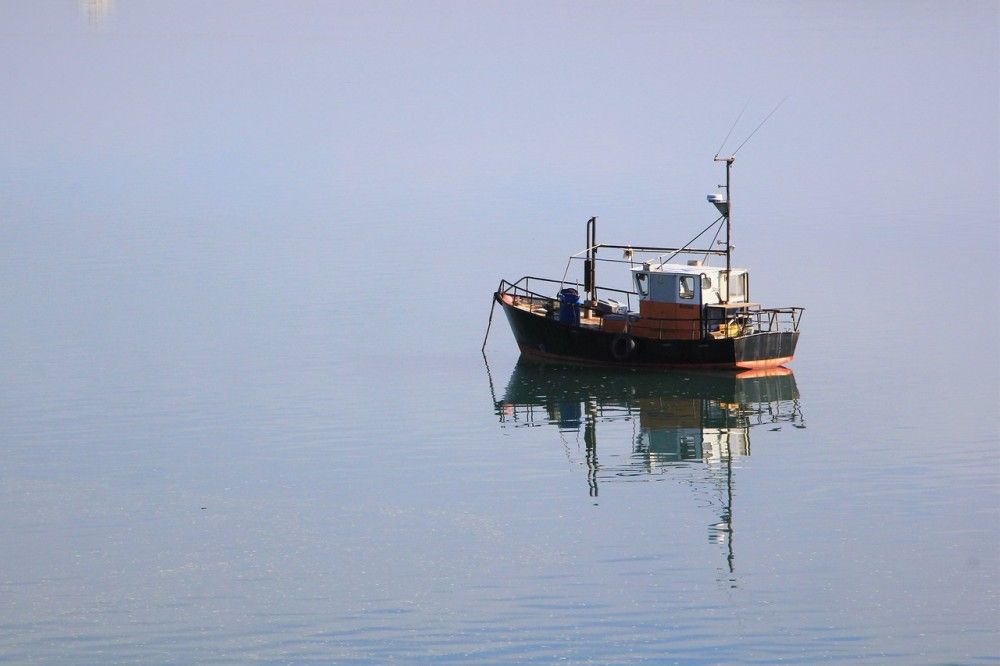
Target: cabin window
(739,287)
(642,283)
(686,287)
(706,282)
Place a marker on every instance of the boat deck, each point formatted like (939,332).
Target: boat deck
(746,319)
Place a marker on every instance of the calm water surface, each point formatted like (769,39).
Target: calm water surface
(309,507)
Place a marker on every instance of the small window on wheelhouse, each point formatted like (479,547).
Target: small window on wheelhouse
(738,287)
(686,287)
(642,283)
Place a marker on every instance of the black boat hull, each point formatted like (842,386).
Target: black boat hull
(545,338)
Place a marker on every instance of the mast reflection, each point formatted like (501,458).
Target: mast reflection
(669,420)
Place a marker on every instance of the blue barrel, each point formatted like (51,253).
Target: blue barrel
(569,308)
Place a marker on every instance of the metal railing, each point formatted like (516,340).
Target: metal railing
(755,319)
(731,323)
(522,288)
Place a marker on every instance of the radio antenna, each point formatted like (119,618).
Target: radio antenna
(731,128)
(758,126)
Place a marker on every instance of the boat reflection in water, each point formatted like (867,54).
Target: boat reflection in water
(667,420)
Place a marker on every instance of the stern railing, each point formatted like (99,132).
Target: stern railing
(755,320)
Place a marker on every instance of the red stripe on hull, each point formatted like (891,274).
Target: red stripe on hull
(763,364)
(769,372)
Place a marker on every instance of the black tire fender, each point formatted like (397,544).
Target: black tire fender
(622,346)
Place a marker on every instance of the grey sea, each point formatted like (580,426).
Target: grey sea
(247,252)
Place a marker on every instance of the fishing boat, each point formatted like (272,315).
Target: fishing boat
(689,314)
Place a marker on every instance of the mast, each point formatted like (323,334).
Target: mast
(590,263)
(726,211)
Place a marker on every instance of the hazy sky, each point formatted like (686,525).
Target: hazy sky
(216,164)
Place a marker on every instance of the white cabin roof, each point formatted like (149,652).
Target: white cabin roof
(681,269)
